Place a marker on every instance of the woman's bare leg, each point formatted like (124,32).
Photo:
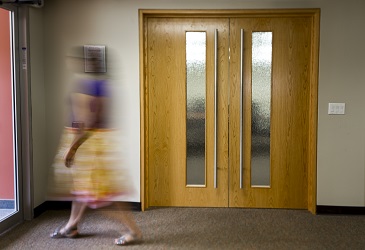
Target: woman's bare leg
(70,229)
(77,211)
(128,221)
(125,216)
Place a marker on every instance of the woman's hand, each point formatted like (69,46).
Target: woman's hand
(69,157)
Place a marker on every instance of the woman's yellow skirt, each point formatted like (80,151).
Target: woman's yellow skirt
(97,175)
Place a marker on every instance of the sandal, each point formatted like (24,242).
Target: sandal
(67,233)
(127,239)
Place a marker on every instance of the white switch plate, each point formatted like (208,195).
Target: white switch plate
(336,108)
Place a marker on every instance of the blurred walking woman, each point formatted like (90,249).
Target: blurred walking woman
(87,169)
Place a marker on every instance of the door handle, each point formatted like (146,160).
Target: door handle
(241,112)
(215,105)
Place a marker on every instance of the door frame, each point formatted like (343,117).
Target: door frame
(22,119)
(314,14)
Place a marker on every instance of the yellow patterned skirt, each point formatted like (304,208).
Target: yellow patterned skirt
(96,176)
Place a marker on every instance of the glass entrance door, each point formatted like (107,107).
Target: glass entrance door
(10,207)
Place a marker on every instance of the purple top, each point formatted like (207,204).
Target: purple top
(92,87)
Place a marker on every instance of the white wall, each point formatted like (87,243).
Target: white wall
(341,148)
(341,138)
(39,126)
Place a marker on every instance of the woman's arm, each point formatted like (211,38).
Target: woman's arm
(91,116)
(80,137)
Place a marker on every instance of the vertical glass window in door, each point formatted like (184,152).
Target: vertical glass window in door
(195,108)
(261,107)
(8,197)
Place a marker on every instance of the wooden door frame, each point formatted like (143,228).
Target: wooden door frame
(314,14)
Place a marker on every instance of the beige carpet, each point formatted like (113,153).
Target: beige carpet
(198,228)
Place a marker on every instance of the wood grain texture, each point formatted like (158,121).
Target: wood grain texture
(313,113)
(293,152)
(167,113)
(289,113)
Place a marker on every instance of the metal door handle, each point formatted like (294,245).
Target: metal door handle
(241,112)
(215,105)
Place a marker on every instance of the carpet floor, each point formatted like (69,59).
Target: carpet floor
(197,228)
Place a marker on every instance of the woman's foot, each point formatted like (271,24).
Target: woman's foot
(127,239)
(62,232)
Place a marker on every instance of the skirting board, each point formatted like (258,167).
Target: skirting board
(340,210)
(136,206)
(60,205)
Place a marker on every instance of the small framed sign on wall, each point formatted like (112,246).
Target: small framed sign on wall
(94,58)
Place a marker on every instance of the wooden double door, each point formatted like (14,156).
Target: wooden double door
(229,133)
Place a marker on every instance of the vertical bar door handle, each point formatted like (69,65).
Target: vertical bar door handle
(215,105)
(241,112)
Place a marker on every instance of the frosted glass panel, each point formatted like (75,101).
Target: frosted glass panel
(261,107)
(195,108)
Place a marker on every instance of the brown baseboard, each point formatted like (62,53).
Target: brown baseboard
(62,205)
(340,210)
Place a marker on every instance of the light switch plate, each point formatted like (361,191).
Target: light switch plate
(336,108)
